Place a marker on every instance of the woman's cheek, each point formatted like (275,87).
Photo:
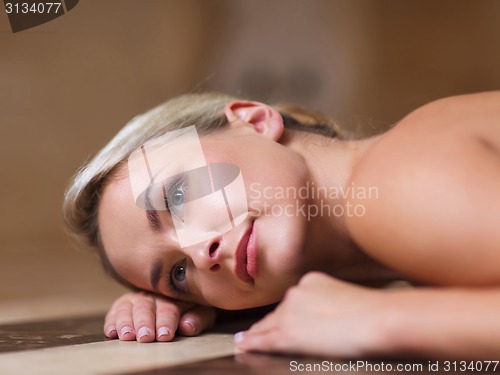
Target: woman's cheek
(255,199)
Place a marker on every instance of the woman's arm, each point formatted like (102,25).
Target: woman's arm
(446,323)
(332,318)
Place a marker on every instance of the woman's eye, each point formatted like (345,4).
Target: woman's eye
(176,199)
(179,273)
(178,277)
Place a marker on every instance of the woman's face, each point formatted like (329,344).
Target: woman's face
(248,266)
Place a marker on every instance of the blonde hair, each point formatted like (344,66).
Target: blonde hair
(206,111)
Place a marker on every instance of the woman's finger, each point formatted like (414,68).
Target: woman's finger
(196,320)
(267,323)
(268,341)
(124,321)
(168,313)
(110,325)
(144,315)
(260,333)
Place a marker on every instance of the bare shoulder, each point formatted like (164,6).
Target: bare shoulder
(436,214)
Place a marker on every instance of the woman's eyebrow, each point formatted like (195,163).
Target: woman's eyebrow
(153,220)
(156,271)
(151,213)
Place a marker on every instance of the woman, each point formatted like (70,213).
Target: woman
(326,215)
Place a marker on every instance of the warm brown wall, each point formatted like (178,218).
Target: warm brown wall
(371,61)
(67,86)
(424,50)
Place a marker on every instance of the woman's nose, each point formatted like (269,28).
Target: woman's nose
(207,255)
(213,253)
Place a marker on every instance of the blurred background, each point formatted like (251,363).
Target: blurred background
(66,87)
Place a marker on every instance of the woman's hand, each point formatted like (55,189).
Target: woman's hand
(145,317)
(319,316)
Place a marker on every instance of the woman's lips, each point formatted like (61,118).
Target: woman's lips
(252,254)
(246,257)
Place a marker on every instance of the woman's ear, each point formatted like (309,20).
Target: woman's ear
(264,119)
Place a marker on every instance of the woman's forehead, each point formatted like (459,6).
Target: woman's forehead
(118,216)
(124,232)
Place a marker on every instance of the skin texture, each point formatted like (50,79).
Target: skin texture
(436,213)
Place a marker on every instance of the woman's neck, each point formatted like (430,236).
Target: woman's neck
(329,245)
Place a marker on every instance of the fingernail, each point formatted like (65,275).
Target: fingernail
(191,323)
(163,331)
(239,336)
(126,330)
(110,330)
(143,332)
